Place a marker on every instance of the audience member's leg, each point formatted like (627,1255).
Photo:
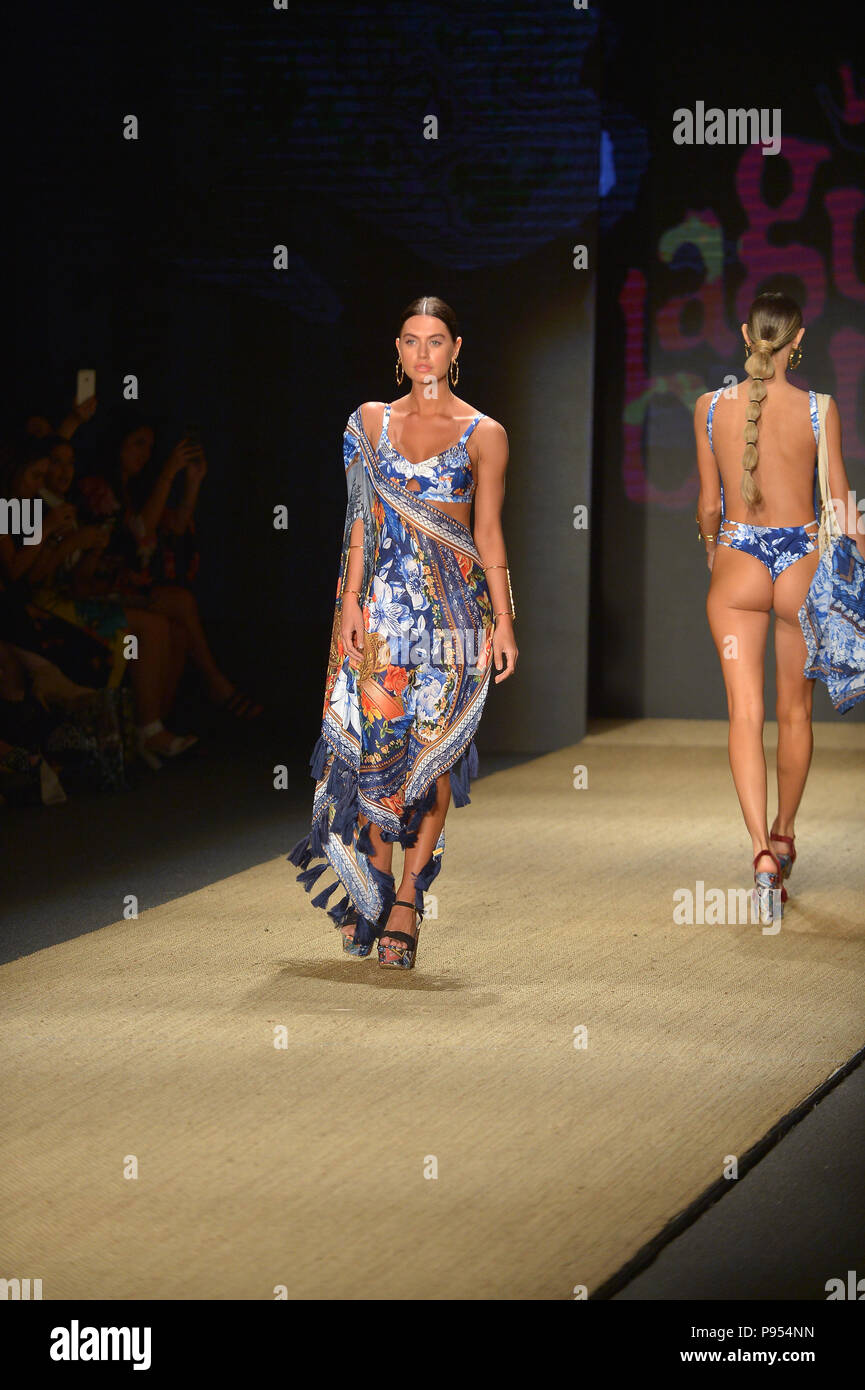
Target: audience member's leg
(150,673)
(180,604)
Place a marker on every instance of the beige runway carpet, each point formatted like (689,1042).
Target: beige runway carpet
(438,1134)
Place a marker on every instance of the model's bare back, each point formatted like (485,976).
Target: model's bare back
(787,453)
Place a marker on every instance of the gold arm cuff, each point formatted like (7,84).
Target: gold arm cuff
(506,568)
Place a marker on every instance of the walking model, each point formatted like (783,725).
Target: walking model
(763,554)
(423,608)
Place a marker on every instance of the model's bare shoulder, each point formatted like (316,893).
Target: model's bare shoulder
(372,415)
(491,435)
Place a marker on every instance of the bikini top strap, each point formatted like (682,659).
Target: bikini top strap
(712,404)
(815,418)
(470,427)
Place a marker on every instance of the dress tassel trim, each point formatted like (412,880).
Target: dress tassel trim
(319,757)
(317,837)
(321,899)
(345,813)
(411,819)
(309,876)
(342,784)
(422,881)
(464,769)
(301,853)
(366,930)
(341,914)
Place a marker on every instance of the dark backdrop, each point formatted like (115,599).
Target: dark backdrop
(260,128)
(304,129)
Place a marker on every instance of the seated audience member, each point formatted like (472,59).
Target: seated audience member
(137,491)
(36,572)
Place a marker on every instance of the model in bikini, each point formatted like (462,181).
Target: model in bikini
(762,551)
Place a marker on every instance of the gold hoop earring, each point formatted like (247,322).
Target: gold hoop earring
(790,363)
(454,379)
(748,351)
(399,372)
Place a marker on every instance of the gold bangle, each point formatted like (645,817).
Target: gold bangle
(352,591)
(506,568)
(357,546)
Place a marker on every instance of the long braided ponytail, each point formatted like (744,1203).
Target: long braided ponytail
(773,322)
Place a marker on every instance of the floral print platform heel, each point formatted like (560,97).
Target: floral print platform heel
(352,947)
(785,860)
(766,885)
(399,957)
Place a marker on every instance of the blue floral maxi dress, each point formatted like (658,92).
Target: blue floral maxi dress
(408,711)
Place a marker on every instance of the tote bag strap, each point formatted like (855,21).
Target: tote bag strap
(829,528)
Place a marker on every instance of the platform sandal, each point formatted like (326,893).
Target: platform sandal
(401,957)
(352,947)
(786,860)
(766,885)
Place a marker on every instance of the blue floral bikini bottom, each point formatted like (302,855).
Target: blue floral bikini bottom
(776,546)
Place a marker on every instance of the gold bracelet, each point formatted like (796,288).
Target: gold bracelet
(512,613)
(358,546)
(352,591)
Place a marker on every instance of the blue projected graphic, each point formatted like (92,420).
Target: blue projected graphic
(280,123)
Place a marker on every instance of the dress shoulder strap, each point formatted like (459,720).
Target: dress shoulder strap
(712,404)
(470,427)
(384,437)
(815,416)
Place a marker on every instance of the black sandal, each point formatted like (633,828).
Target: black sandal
(405,956)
